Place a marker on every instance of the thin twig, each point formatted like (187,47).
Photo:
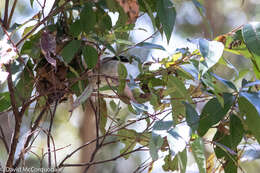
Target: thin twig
(49,133)
(27,141)
(54,12)
(103,161)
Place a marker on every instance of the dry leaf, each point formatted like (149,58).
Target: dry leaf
(131,8)
(48,46)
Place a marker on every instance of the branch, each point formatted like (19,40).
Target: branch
(102,161)
(27,141)
(11,14)
(49,134)
(18,118)
(90,142)
(42,22)
(6,13)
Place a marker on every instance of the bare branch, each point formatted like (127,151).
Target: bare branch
(103,161)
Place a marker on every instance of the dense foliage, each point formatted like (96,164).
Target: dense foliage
(58,56)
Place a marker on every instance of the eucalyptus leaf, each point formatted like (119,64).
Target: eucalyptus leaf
(155,144)
(211,52)
(199,154)
(250,116)
(148,45)
(167,16)
(162,125)
(192,117)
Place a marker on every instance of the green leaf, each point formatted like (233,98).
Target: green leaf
(104,22)
(182,160)
(162,125)
(211,52)
(236,130)
(31,2)
(155,144)
(27,29)
(253,98)
(202,12)
(148,8)
(154,100)
(24,87)
(225,82)
(199,155)
(192,117)
(113,105)
(224,150)
(167,16)
(90,56)
(83,97)
(250,116)
(103,116)
(5,102)
(169,164)
(251,36)
(31,47)
(122,72)
(177,90)
(211,114)
(201,9)
(70,50)
(127,137)
(150,46)
(75,28)
(175,140)
(88,18)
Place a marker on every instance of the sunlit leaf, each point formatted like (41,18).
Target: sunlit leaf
(182,158)
(199,155)
(253,98)
(250,116)
(211,52)
(249,84)
(225,82)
